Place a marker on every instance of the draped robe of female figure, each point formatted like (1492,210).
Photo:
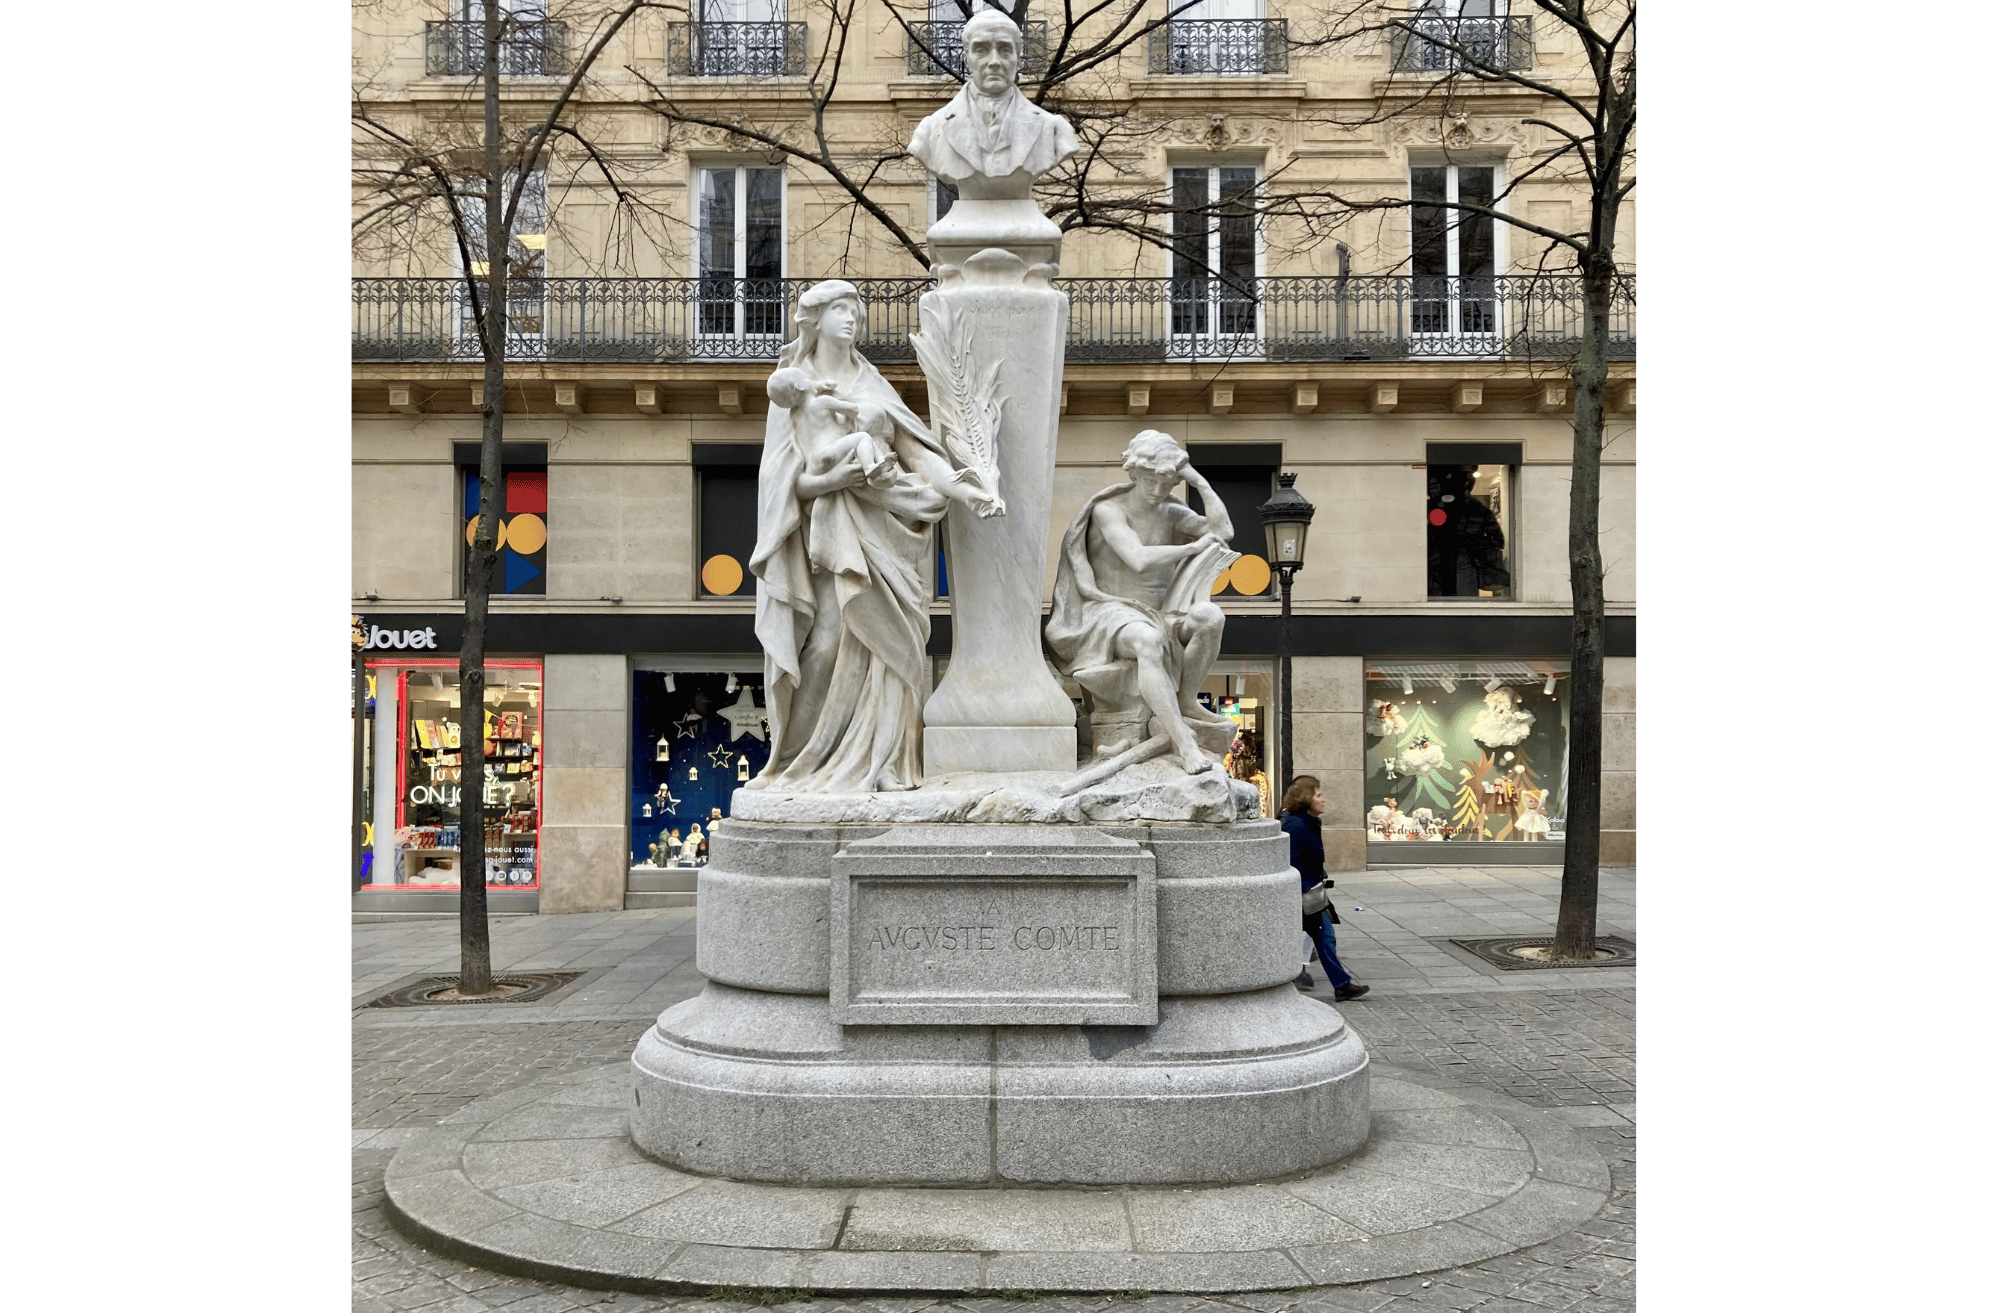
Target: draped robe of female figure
(859,730)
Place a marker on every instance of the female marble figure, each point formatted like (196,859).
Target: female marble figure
(850,481)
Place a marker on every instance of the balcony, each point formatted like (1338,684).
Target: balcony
(1450,45)
(1256,45)
(937,50)
(527,48)
(736,50)
(670,320)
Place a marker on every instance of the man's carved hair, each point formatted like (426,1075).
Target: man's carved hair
(992,18)
(1155,452)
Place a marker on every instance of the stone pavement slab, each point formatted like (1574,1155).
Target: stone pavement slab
(1561,1042)
(1191,1239)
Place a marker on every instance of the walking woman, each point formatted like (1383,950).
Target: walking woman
(1303,804)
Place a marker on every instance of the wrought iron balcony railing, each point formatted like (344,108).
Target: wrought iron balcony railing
(719,50)
(666,320)
(528,48)
(937,50)
(1250,45)
(1447,45)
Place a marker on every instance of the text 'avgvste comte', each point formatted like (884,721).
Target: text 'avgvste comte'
(989,938)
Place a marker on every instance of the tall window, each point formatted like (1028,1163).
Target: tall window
(741,214)
(1468,516)
(1222,36)
(1453,34)
(527,261)
(743,38)
(1215,251)
(1452,253)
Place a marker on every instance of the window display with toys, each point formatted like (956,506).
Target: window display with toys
(414,835)
(1470,751)
(697,737)
(1241,690)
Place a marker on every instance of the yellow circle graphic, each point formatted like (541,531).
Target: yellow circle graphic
(499,532)
(721,575)
(1221,582)
(1251,575)
(526,533)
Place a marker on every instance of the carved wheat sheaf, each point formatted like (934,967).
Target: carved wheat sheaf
(965,400)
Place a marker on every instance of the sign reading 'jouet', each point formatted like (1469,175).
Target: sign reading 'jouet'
(975,925)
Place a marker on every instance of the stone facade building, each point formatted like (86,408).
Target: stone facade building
(1413,374)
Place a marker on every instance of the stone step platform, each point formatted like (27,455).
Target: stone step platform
(660,886)
(1494,852)
(544,1181)
(638,898)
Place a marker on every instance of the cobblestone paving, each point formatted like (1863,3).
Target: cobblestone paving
(1569,1051)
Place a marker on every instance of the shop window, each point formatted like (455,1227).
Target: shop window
(1468,514)
(522,570)
(726,490)
(697,737)
(414,766)
(1243,476)
(1242,691)
(1465,751)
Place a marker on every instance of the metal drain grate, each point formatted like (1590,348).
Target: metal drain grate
(440,991)
(1506,953)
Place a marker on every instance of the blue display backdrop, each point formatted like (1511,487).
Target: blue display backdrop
(707,751)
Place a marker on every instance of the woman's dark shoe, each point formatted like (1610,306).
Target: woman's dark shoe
(1305,980)
(1349,991)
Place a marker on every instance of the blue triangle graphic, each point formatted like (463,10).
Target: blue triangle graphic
(519,571)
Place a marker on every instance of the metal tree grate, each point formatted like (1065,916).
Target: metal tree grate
(437,991)
(1506,953)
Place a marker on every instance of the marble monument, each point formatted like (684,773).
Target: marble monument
(943,946)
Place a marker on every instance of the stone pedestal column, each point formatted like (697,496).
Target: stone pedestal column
(998,707)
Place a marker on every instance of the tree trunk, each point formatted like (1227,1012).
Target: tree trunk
(1576,915)
(475,948)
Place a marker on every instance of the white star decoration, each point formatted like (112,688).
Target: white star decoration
(744,717)
(664,802)
(688,726)
(721,757)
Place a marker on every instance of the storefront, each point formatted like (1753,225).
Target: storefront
(700,731)
(411,776)
(1243,690)
(1474,750)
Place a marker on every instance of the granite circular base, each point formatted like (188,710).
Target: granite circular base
(766,1087)
(545,1181)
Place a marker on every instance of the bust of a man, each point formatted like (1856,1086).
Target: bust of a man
(990,130)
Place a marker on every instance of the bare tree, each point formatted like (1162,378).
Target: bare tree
(1071,68)
(420,185)
(1590,122)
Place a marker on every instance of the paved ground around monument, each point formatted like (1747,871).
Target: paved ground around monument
(1560,1041)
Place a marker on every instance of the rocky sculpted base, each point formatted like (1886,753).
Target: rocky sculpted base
(1156,790)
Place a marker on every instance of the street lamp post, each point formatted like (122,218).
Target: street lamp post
(1287,516)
